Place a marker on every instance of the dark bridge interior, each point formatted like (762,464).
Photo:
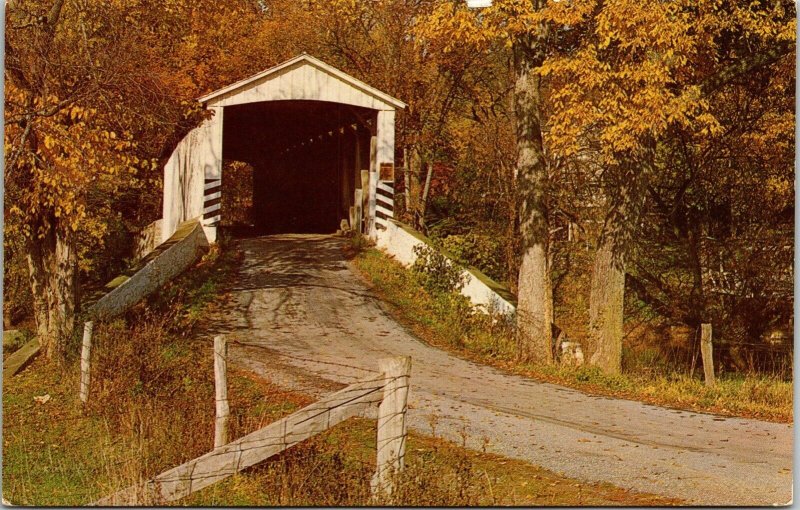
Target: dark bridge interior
(305,157)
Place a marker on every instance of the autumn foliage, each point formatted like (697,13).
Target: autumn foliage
(613,162)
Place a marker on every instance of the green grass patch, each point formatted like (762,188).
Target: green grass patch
(446,321)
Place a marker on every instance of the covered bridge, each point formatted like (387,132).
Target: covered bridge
(320,142)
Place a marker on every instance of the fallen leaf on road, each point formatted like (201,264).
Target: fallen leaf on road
(584,440)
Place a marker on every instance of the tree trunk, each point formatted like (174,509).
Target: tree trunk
(535,293)
(607,295)
(606,308)
(52,265)
(414,190)
(423,206)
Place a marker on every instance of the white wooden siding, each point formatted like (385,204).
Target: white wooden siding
(196,158)
(303,80)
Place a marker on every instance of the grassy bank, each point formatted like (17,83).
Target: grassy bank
(152,407)
(445,320)
(151,401)
(334,469)
(57,454)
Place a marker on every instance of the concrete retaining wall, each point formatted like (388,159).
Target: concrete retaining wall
(16,362)
(167,261)
(399,241)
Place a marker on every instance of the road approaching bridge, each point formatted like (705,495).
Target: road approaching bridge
(301,316)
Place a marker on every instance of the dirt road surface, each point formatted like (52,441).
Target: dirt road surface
(301,316)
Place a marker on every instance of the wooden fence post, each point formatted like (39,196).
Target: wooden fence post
(391,443)
(707,351)
(86,354)
(221,391)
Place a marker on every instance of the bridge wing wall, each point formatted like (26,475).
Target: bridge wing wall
(399,240)
(166,262)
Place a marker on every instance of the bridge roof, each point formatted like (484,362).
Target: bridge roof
(303,78)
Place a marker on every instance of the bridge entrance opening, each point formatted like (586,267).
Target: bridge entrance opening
(305,160)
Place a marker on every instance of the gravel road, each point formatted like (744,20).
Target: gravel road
(303,317)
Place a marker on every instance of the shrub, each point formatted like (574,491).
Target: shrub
(435,272)
(481,251)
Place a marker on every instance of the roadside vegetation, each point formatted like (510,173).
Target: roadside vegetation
(426,302)
(151,407)
(630,163)
(611,162)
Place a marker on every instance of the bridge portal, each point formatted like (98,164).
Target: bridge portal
(306,157)
(319,143)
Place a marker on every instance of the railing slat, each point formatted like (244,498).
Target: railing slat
(253,448)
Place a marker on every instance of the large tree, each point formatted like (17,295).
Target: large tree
(97,93)
(59,148)
(524,27)
(640,71)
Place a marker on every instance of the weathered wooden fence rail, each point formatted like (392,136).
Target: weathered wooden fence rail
(387,390)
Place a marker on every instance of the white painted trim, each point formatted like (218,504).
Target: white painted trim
(214,184)
(315,62)
(385,187)
(211,208)
(216,194)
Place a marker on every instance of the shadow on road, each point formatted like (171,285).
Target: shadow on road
(290,260)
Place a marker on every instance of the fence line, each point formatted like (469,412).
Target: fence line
(388,390)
